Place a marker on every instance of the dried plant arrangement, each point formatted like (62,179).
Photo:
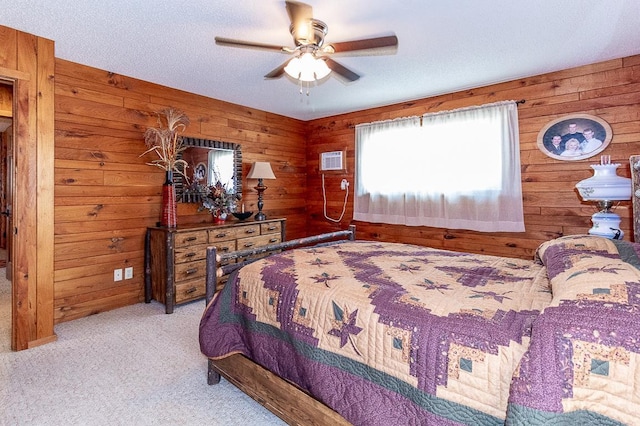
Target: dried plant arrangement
(166,141)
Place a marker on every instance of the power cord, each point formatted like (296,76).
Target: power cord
(344,185)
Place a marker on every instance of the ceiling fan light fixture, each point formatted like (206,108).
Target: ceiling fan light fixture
(321,69)
(307,67)
(293,68)
(312,58)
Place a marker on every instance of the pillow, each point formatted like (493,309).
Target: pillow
(591,270)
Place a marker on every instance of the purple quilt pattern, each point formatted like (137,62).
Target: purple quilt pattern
(385,333)
(583,363)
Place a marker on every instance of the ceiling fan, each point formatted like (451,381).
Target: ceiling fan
(311,59)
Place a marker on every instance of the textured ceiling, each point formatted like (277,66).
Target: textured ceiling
(444,45)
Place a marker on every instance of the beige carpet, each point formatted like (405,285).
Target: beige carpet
(130,366)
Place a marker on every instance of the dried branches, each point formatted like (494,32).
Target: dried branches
(166,142)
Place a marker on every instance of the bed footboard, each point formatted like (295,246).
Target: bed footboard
(213,258)
(279,396)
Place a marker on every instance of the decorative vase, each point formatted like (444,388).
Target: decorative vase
(219,217)
(169,209)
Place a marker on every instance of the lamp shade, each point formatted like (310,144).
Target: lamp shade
(261,170)
(605,184)
(307,68)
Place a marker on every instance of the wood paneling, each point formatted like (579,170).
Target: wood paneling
(27,62)
(88,197)
(6,100)
(106,196)
(609,90)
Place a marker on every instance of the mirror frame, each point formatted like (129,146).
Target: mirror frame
(190,142)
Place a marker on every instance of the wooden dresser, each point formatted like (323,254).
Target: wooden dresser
(175,259)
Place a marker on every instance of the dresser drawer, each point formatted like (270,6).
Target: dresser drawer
(223,247)
(190,270)
(222,281)
(176,258)
(271,228)
(184,239)
(189,290)
(191,253)
(226,234)
(260,240)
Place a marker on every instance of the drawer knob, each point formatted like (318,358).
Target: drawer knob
(249,244)
(191,271)
(190,254)
(191,238)
(272,228)
(225,249)
(191,290)
(250,231)
(221,235)
(273,240)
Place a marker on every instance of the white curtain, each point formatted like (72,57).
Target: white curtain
(459,170)
(221,168)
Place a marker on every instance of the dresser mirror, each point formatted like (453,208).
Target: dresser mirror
(208,161)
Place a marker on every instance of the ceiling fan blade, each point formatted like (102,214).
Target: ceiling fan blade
(365,44)
(341,70)
(249,45)
(277,72)
(301,16)
(299,12)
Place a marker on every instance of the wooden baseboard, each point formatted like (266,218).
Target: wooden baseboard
(43,341)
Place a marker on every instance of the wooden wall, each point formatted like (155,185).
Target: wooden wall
(552,207)
(27,64)
(106,196)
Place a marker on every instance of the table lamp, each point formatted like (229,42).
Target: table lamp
(260,170)
(605,187)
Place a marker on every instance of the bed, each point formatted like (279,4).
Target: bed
(373,333)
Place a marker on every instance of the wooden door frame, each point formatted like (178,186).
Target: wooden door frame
(31,70)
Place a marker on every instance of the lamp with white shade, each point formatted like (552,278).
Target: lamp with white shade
(260,170)
(605,187)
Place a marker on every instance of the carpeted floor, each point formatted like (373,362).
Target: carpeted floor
(131,366)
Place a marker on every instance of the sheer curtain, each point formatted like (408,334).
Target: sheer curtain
(221,168)
(460,169)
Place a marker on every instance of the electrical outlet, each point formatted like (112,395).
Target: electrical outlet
(117,274)
(128,273)
(344,184)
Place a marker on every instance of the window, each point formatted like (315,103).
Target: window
(455,169)
(221,168)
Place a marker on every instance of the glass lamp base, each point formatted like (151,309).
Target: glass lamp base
(606,225)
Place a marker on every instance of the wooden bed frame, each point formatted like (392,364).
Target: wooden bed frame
(281,397)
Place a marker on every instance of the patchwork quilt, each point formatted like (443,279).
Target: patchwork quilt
(390,334)
(583,363)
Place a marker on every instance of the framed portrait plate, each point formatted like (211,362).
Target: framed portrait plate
(574,137)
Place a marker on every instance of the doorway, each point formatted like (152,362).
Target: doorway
(27,64)
(6,144)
